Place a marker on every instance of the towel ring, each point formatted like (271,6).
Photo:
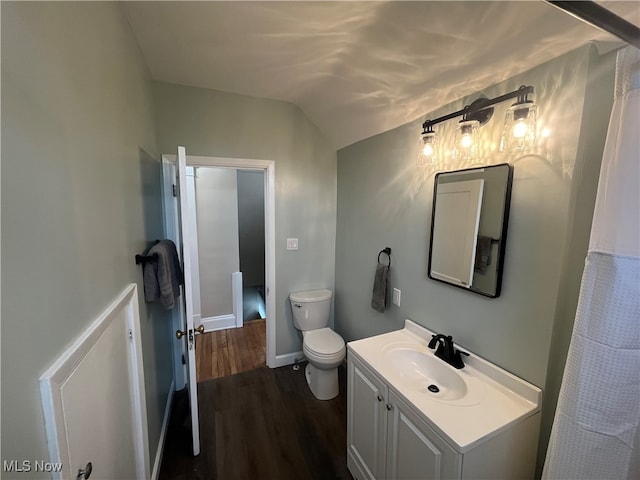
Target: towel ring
(386,251)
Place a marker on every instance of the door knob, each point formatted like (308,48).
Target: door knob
(179,334)
(389,406)
(380,398)
(200,329)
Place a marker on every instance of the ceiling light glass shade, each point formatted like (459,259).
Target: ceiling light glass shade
(519,133)
(427,149)
(466,140)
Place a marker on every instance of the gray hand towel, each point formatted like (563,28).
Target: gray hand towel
(163,277)
(379,297)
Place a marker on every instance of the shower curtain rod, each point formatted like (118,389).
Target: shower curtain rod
(600,17)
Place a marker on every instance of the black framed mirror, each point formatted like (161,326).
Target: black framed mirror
(469,224)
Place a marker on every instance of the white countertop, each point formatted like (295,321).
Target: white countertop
(494,399)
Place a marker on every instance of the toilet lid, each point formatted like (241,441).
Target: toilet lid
(324,341)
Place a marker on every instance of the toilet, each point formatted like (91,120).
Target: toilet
(322,347)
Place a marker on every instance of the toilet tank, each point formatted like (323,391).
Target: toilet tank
(311,309)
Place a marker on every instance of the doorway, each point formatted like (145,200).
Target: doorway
(228,232)
(267,168)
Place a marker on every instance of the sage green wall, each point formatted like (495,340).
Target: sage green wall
(218,124)
(80,197)
(384,199)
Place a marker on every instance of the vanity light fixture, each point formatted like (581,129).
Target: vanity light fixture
(428,146)
(466,140)
(520,127)
(478,113)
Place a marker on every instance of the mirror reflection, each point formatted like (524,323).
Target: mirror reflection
(469,228)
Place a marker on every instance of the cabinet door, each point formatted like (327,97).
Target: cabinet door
(415,450)
(366,422)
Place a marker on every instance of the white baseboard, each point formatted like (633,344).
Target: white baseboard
(163,434)
(287,359)
(221,322)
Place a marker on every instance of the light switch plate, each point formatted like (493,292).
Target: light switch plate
(396,296)
(292,244)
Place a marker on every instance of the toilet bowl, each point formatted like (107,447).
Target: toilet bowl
(322,347)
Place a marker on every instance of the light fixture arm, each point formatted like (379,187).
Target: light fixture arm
(478,106)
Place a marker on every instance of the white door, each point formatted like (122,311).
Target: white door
(187,296)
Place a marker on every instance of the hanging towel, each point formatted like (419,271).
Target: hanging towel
(483,253)
(379,297)
(163,277)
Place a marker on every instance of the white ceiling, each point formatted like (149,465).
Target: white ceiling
(355,68)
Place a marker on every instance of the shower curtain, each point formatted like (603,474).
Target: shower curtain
(596,434)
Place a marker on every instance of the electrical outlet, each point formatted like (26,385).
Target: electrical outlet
(396,296)
(292,244)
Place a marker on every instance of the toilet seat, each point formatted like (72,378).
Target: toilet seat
(324,358)
(323,342)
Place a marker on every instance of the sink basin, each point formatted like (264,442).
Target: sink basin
(423,370)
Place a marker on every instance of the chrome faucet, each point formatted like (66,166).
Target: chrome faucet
(446,350)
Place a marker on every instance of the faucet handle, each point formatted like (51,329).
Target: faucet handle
(437,339)
(456,361)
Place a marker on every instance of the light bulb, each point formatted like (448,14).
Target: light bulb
(427,150)
(520,129)
(466,141)
(519,133)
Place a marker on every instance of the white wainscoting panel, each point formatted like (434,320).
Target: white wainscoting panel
(93,397)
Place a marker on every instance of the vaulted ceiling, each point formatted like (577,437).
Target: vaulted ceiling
(356,68)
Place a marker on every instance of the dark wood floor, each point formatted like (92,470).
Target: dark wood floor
(235,350)
(261,424)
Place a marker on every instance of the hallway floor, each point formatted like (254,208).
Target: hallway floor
(235,350)
(260,424)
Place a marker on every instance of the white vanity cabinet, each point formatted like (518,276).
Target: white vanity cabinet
(386,438)
(482,422)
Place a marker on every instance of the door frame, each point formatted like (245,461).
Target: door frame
(171,222)
(268,167)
